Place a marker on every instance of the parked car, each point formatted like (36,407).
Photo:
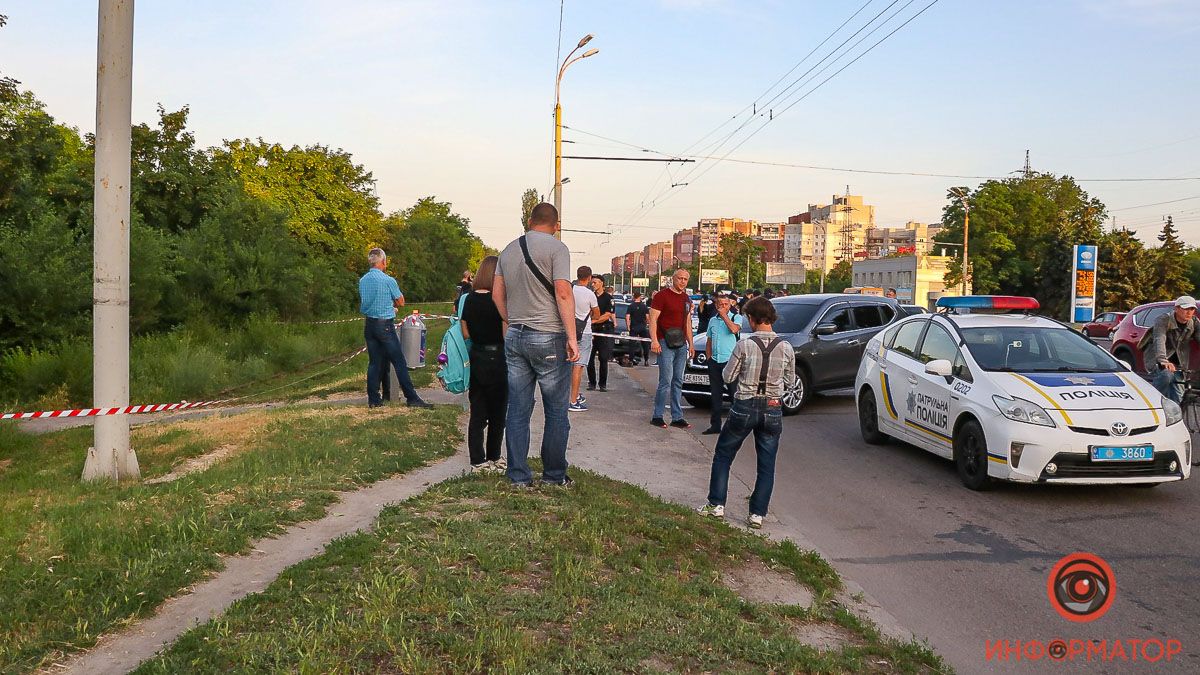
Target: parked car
(828,333)
(910,310)
(1104,325)
(1130,330)
(622,347)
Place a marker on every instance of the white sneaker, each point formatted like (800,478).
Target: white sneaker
(755,521)
(500,466)
(710,510)
(481,469)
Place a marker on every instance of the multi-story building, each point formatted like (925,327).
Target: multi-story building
(686,245)
(770,231)
(658,257)
(710,230)
(772,250)
(633,262)
(912,238)
(918,279)
(793,233)
(618,266)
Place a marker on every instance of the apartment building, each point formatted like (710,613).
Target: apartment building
(686,245)
(918,279)
(657,257)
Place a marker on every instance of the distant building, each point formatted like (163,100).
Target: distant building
(771,231)
(912,238)
(633,262)
(686,245)
(658,257)
(918,279)
(618,265)
(793,233)
(710,231)
(772,250)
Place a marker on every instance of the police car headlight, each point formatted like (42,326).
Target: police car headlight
(1172,410)
(1020,410)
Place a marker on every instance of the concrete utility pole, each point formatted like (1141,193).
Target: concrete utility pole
(558,181)
(962,197)
(111,457)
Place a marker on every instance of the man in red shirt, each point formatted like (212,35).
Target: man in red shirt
(671,339)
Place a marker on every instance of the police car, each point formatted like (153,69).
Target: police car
(1017,397)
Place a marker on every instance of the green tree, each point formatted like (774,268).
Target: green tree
(1124,271)
(432,246)
(170,175)
(1022,233)
(735,249)
(8,86)
(1193,266)
(840,276)
(330,200)
(1169,278)
(529,199)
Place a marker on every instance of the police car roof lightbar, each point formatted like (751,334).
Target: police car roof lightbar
(986,302)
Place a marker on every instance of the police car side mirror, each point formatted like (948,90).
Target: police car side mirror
(940,367)
(825,329)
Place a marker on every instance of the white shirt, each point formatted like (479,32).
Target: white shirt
(585,300)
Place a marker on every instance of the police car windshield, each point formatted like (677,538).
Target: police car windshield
(1037,350)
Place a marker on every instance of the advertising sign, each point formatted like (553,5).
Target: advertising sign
(1083,283)
(714,276)
(664,281)
(641,282)
(785,273)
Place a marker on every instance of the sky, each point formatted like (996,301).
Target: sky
(455,99)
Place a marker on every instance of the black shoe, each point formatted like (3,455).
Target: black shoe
(658,422)
(681,424)
(418,403)
(603,388)
(565,483)
(711,430)
(591,387)
(374,405)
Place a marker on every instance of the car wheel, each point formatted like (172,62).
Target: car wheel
(698,401)
(970,456)
(796,395)
(868,418)
(1123,354)
(1111,333)
(1084,330)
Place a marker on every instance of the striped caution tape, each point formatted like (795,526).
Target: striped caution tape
(161,407)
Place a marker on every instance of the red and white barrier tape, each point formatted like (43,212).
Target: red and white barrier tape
(160,407)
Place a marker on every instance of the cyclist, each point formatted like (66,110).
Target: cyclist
(1170,346)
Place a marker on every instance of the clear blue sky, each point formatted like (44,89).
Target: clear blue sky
(454,99)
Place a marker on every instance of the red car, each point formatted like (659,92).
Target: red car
(1130,330)
(1104,325)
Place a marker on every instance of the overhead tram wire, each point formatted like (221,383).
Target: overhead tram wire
(692,176)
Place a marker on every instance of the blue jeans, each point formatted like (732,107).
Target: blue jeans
(1169,384)
(384,345)
(537,358)
(766,421)
(671,363)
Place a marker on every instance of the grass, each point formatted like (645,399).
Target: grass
(79,560)
(474,576)
(200,361)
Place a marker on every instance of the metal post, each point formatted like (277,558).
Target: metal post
(966,230)
(111,457)
(558,159)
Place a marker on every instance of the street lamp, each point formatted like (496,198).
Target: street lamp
(558,181)
(962,197)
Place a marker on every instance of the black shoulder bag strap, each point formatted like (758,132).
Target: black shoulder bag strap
(534,268)
(766,361)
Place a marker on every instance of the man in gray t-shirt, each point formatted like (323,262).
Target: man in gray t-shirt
(540,343)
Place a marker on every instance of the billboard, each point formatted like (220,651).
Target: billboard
(714,276)
(1083,283)
(785,273)
(664,281)
(641,282)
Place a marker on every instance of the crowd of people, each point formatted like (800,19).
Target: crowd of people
(532,323)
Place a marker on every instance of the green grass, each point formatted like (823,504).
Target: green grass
(200,361)
(474,576)
(79,560)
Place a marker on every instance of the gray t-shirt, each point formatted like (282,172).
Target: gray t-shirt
(528,301)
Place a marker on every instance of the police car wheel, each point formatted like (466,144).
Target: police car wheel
(970,456)
(795,396)
(868,418)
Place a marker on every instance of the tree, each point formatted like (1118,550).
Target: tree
(435,245)
(1124,271)
(840,276)
(330,200)
(170,175)
(734,250)
(529,199)
(1169,278)
(8,86)
(1022,233)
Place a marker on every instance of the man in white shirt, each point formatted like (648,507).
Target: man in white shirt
(587,309)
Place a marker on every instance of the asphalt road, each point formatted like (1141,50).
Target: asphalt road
(961,567)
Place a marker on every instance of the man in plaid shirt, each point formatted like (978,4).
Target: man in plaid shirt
(760,368)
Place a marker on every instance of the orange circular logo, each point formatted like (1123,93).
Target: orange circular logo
(1081,587)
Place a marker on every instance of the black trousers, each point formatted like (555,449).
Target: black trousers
(716,389)
(644,346)
(488,395)
(602,349)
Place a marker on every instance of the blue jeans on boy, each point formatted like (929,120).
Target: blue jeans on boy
(1169,383)
(746,416)
(537,358)
(384,345)
(671,363)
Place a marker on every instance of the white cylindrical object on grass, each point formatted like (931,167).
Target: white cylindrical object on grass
(412,340)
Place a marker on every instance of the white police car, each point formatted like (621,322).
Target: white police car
(1017,397)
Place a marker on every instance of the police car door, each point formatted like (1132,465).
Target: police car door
(898,377)
(935,402)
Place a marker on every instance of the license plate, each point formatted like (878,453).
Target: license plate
(1135,453)
(695,378)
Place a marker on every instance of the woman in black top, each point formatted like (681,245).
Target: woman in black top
(488,388)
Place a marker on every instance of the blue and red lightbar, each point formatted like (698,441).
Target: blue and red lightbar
(993,302)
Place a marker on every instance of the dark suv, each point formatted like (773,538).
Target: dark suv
(828,333)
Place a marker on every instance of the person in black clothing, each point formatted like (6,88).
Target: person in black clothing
(488,387)
(636,317)
(465,286)
(708,309)
(602,347)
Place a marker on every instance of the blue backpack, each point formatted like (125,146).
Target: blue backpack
(455,374)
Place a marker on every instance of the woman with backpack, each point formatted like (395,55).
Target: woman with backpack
(488,390)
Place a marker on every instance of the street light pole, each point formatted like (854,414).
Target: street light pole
(558,182)
(962,197)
